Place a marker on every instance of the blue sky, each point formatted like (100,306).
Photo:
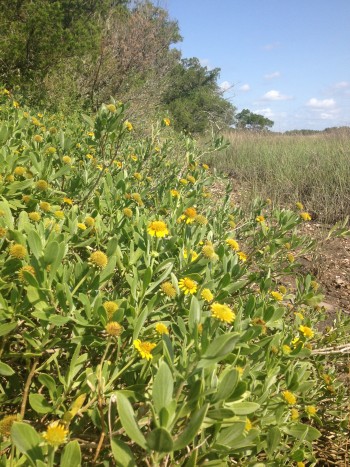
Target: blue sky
(287,60)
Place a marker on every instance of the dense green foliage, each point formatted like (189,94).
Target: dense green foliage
(248,120)
(194,99)
(143,321)
(78,54)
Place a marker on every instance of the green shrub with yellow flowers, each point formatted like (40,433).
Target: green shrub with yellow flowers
(143,319)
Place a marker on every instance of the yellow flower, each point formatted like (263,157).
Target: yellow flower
(113,328)
(42,185)
(56,434)
(35,121)
(91,134)
(59,214)
(128,125)
(144,348)
(188,286)
(242,256)
(68,201)
(191,179)
(276,296)
(45,206)
(26,198)
(38,138)
(127,212)
(314,285)
(209,252)
(166,121)
(51,150)
(10,178)
(305,216)
(15,104)
(311,409)
(201,220)
(138,176)
(6,424)
(20,171)
(290,257)
(28,269)
(207,295)
(67,160)
(205,166)
(168,289)
(183,181)
(161,328)
(248,425)
(81,226)
(260,219)
(98,259)
(112,108)
(158,229)
(193,254)
(222,312)
(174,193)
(299,206)
(18,251)
(300,464)
(89,221)
(111,308)
(233,244)
(308,332)
(190,215)
(137,197)
(286,349)
(299,315)
(282,289)
(289,397)
(294,414)
(34,216)
(3,232)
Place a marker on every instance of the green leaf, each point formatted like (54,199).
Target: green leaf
(71,455)
(122,454)
(226,386)
(192,429)
(244,408)
(303,432)
(218,349)
(228,435)
(5,370)
(39,403)
(7,328)
(163,387)
(35,244)
(160,440)
(51,252)
(194,314)
(27,441)
(128,421)
(273,439)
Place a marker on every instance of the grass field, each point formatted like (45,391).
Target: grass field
(313,169)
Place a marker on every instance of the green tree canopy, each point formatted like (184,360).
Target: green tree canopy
(250,121)
(194,98)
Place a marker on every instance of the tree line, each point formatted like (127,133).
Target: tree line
(78,53)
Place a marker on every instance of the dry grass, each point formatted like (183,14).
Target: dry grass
(314,169)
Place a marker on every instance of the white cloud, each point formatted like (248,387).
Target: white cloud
(327,116)
(342,85)
(320,103)
(273,45)
(274,95)
(275,74)
(267,112)
(244,87)
(225,86)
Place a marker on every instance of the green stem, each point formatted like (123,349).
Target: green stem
(119,373)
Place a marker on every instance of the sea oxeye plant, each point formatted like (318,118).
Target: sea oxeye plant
(145,320)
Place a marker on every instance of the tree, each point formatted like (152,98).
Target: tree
(194,98)
(37,35)
(248,120)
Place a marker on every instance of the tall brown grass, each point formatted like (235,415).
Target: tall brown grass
(313,169)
